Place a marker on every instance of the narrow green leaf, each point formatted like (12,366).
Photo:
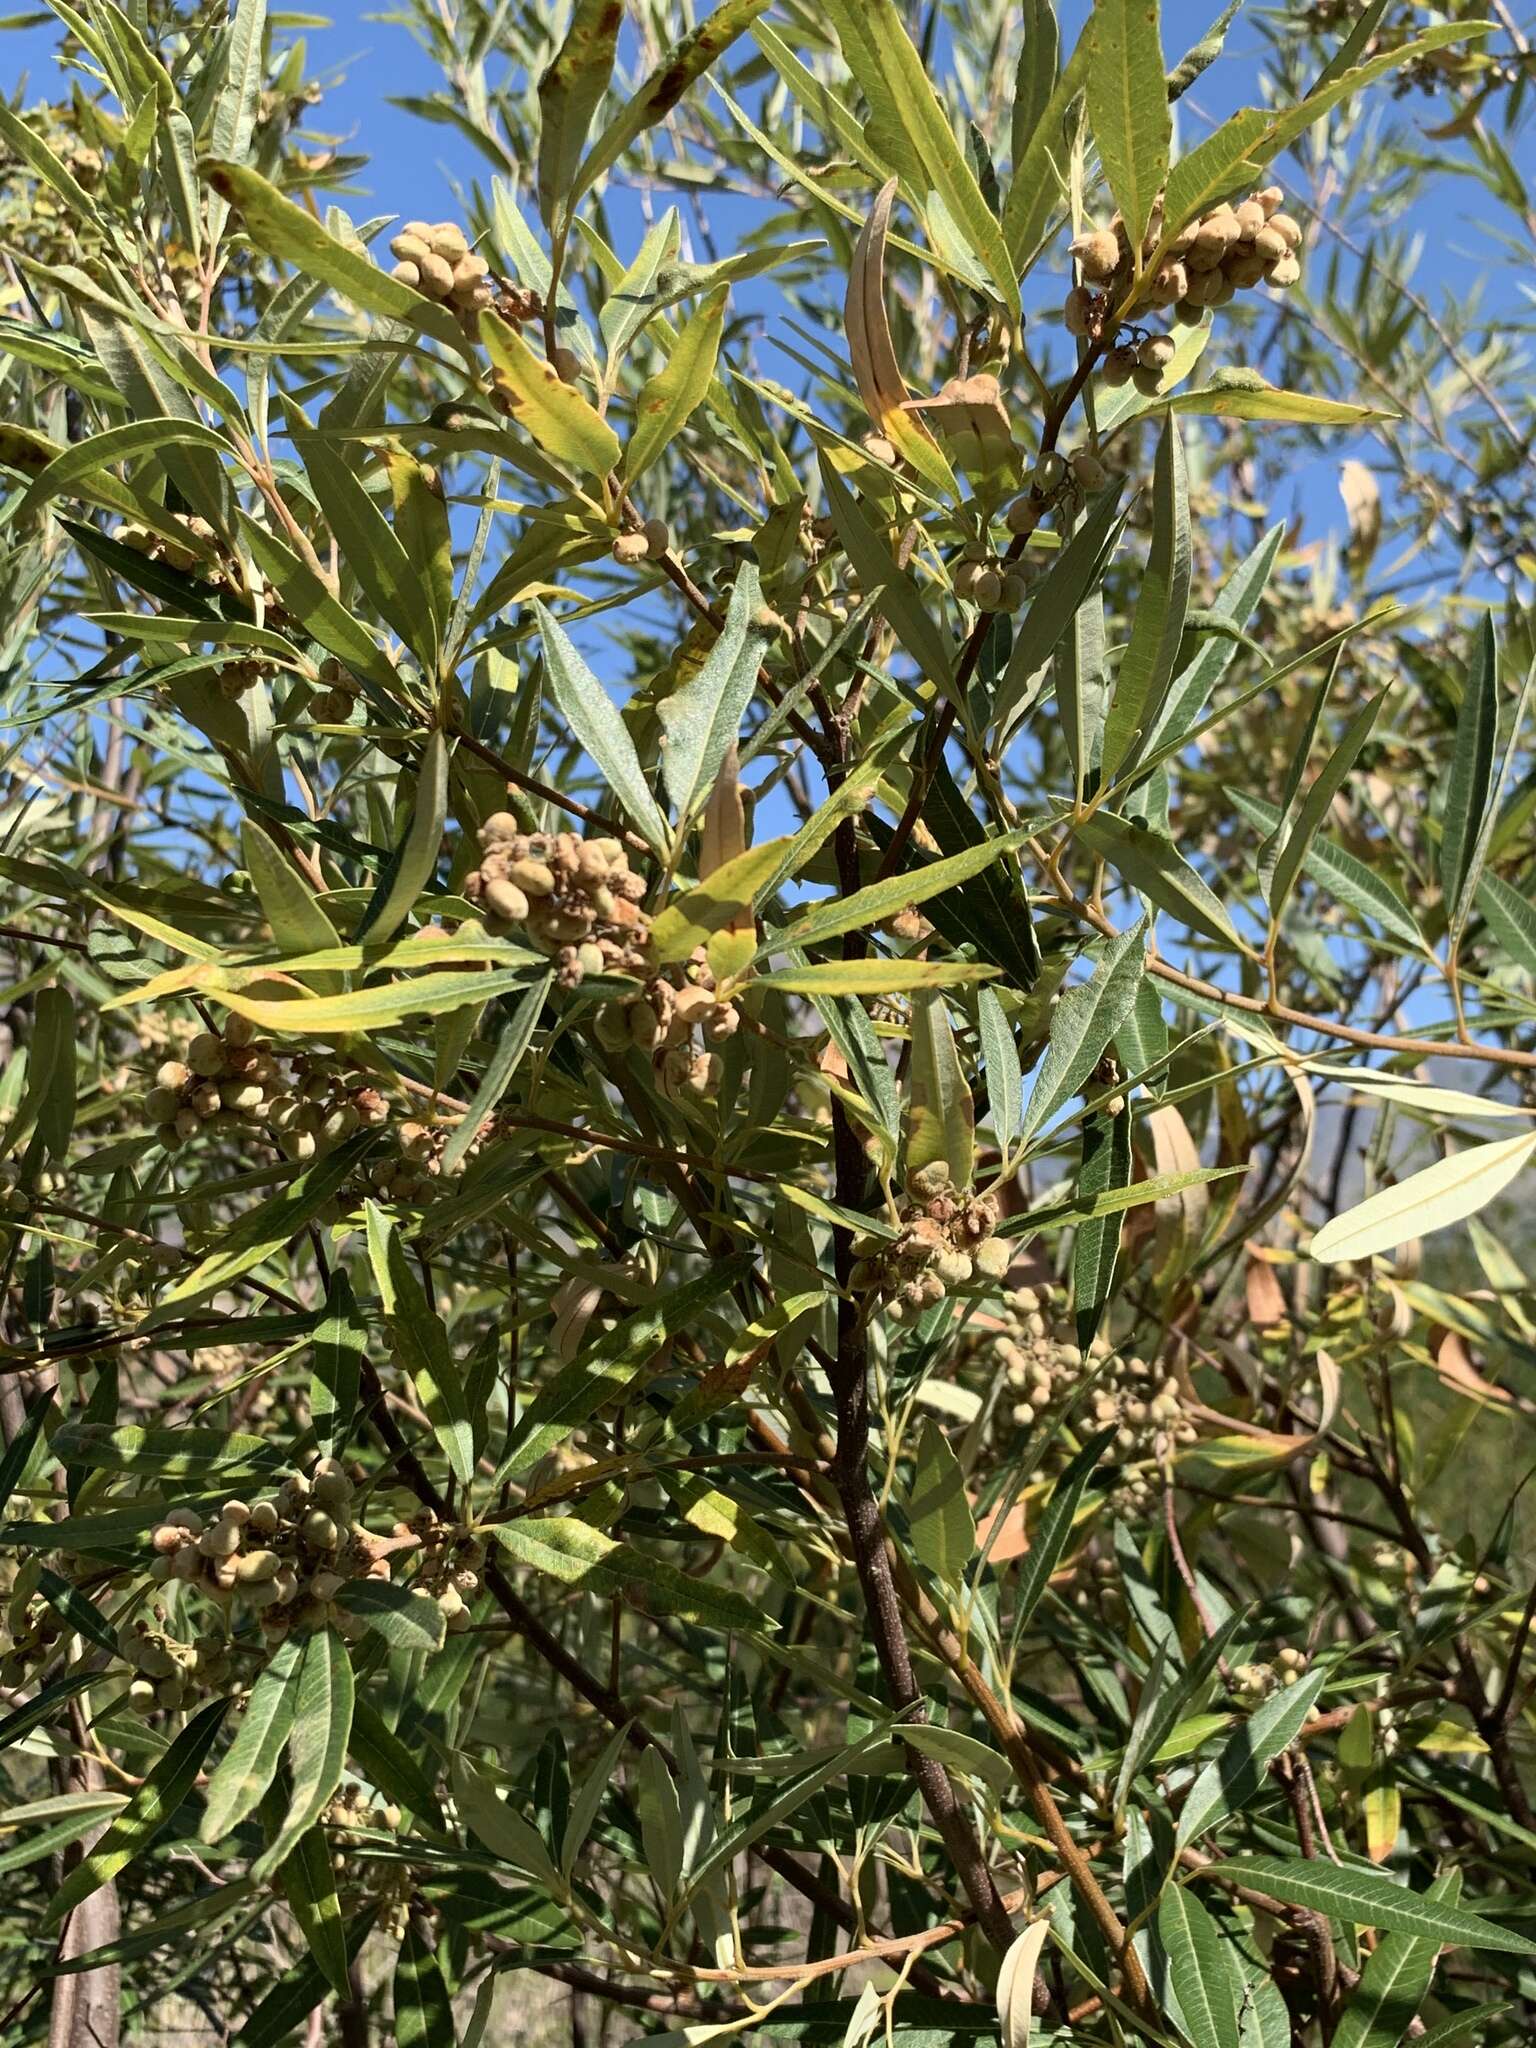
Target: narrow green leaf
(670,399)
(593,717)
(687,60)
(341,1344)
(1511,918)
(267,1228)
(398,890)
(308,1883)
(514,1040)
(421,1344)
(569,95)
(423,2007)
(941,1116)
(247,1768)
(1000,1061)
(1197,1968)
(1106,1165)
(1397,1975)
(1044,1553)
(1154,866)
(938,1513)
(1084,1022)
(1128,106)
(870,906)
(611,1362)
(286,231)
(1319,801)
(317,1742)
(576,1554)
(900,603)
(1146,669)
(1343,875)
(702,720)
(1234,1777)
(150,1810)
(1469,787)
(1369,1898)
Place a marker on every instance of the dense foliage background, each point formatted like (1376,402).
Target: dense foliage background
(768,1032)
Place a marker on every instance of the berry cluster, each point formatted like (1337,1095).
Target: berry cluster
(662,1021)
(945,1243)
(576,898)
(1255,1682)
(233,1076)
(437,261)
(452,1561)
(170,1672)
(1032,1349)
(285,1558)
(332,703)
(322,1104)
(646,544)
(1227,250)
(406,1174)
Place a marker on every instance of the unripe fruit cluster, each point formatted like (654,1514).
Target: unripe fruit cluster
(169,1672)
(286,1557)
(1255,1682)
(1043,1369)
(992,583)
(323,1104)
(32,1632)
(662,1021)
(407,1174)
(1140,363)
(233,1077)
(575,898)
(237,677)
(946,1243)
(332,703)
(452,1563)
(645,544)
(437,261)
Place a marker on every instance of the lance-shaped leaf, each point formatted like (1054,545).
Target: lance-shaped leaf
(1397,1975)
(701,720)
(1038,186)
(1128,106)
(1105,1165)
(1442,1194)
(1470,784)
(880,900)
(1000,1059)
(1015,1994)
(248,1766)
(1197,1969)
(717,904)
(403,880)
(1084,1022)
(569,93)
(594,718)
(1146,669)
(576,1554)
(421,1343)
(554,413)
(939,1516)
(941,1117)
(294,236)
(299,923)
(1066,586)
(317,1743)
(900,602)
(881,56)
(1370,1898)
(1154,866)
(341,1343)
(1246,396)
(659,93)
(149,1812)
(1290,853)
(1236,1775)
(673,395)
(882,387)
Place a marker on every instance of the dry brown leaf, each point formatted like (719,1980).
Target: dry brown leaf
(873,353)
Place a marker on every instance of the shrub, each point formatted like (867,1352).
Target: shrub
(727,1049)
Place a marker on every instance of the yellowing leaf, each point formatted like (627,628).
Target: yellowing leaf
(873,354)
(554,413)
(669,400)
(1432,1200)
